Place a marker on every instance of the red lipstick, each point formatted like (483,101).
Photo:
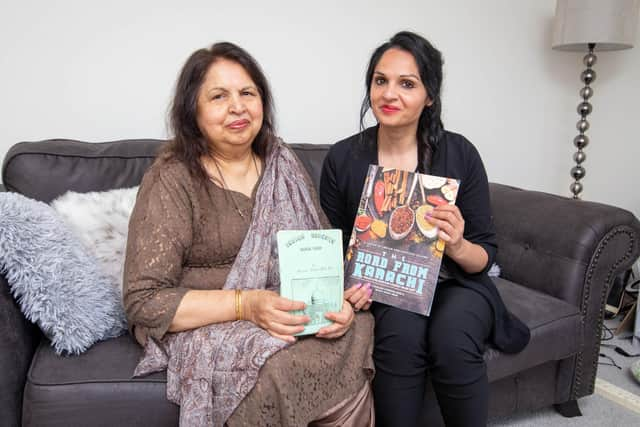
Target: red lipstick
(389,109)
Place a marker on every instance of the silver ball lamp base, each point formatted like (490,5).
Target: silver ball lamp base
(585,108)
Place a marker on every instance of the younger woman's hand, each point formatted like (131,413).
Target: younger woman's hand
(451,227)
(472,257)
(341,322)
(271,312)
(359,295)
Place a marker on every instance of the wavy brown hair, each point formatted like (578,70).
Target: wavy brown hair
(188,143)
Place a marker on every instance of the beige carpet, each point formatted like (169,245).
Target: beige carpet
(597,411)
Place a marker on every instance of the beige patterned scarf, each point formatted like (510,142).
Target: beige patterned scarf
(212,368)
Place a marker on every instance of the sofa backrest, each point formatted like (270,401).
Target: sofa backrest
(312,156)
(44,170)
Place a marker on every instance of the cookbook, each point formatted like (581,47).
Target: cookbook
(393,246)
(312,271)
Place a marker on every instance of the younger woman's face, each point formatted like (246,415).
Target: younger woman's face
(397,94)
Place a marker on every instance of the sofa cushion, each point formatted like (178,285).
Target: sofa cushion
(555,330)
(100,220)
(46,169)
(95,389)
(58,285)
(99,381)
(312,156)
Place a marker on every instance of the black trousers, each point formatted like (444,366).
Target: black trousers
(448,345)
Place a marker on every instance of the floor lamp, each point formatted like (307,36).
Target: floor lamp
(589,26)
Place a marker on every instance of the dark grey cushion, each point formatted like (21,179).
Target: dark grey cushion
(46,169)
(312,157)
(555,330)
(99,381)
(95,389)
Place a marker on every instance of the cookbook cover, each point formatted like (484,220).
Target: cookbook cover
(392,244)
(311,270)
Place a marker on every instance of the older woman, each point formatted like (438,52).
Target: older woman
(201,273)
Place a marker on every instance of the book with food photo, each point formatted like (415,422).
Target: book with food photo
(393,246)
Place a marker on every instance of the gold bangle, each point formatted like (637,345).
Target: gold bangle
(239,304)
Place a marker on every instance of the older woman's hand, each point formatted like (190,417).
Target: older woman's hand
(270,311)
(341,322)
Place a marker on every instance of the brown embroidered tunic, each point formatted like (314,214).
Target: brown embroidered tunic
(184,235)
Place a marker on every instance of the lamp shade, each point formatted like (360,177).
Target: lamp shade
(610,24)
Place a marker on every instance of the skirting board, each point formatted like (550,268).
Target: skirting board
(616,394)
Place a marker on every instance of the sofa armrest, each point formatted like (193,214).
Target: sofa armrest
(558,245)
(18,341)
(569,249)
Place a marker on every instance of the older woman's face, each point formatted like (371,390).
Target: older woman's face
(229,106)
(397,93)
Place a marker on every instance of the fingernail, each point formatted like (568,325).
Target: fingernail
(359,285)
(370,300)
(368,286)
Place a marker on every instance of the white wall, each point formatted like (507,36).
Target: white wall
(102,71)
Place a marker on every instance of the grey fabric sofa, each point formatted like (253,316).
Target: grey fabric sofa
(558,258)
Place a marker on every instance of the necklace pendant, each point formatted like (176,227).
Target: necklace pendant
(226,187)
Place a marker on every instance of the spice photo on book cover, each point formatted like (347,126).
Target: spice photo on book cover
(393,246)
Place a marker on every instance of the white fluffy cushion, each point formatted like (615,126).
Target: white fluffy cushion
(101,221)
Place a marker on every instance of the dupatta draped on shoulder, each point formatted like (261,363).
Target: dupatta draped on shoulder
(212,368)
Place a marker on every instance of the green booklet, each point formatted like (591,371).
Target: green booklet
(311,271)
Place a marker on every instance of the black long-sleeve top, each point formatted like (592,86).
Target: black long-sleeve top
(341,184)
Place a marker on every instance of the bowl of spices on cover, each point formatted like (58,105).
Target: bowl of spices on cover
(401,222)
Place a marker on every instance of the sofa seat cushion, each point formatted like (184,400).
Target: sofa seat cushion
(555,330)
(95,388)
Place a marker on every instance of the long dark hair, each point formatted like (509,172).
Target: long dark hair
(188,144)
(429,61)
